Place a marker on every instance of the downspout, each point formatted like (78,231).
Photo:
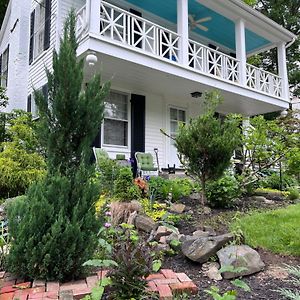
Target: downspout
(290,43)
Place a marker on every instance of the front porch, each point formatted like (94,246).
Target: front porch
(181,46)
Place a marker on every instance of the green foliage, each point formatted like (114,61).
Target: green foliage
(156,265)
(215,294)
(20,163)
(293,194)
(154,210)
(294,271)
(293,159)
(223,192)
(135,263)
(241,284)
(98,291)
(273,181)
(107,172)
(124,189)
(54,231)
(206,144)
(276,230)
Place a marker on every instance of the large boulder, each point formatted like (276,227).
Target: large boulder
(243,258)
(202,248)
(144,223)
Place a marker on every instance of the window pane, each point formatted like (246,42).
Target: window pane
(115,132)
(181,115)
(174,126)
(173,114)
(116,107)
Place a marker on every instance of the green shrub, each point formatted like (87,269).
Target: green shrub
(54,231)
(273,181)
(62,236)
(124,188)
(293,194)
(223,192)
(20,163)
(107,172)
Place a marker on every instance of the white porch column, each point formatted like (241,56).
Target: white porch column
(183,30)
(282,70)
(93,15)
(240,41)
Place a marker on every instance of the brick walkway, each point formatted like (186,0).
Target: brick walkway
(165,283)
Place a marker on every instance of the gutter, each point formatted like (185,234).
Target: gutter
(290,43)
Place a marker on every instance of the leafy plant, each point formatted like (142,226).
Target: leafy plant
(20,162)
(135,263)
(294,271)
(155,210)
(124,188)
(293,194)
(274,182)
(223,192)
(98,291)
(206,144)
(215,293)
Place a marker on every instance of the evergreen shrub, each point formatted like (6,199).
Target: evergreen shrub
(54,231)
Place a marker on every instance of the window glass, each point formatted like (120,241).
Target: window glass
(4,68)
(39,34)
(115,127)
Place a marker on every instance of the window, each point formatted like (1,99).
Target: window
(40,22)
(176,116)
(4,67)
(115,127)
(31,105)
(39,33)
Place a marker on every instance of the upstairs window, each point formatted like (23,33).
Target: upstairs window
(4,67)
(40,23)
(115,127)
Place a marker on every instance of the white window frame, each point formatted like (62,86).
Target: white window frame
(119,147)
(4,68)
(39,29)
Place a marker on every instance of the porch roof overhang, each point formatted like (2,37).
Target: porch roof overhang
(261,32)
(138,73)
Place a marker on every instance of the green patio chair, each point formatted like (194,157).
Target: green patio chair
(145,165)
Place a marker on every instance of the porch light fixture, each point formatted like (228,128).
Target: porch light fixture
(284,113)
(91,59)
(196,94)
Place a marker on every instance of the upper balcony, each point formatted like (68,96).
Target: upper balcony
(194,37)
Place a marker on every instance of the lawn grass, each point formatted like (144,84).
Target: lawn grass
(275,230)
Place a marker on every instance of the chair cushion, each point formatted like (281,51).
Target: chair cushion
(145,161)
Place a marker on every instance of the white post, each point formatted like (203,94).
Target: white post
(183,31)
(240,40)
(282,70)
(93,15)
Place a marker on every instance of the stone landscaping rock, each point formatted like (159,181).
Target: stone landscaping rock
(195,196)
(163,231)
(201,233)
(144,223)
(211,270)
(210,230)
(201,249)
(174,236)
(206,210)
(259,198)
(177,208)
(240,256)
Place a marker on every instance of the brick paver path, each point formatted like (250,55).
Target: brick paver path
(165,283)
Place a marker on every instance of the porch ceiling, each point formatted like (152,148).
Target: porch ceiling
(221,30)
(135,78)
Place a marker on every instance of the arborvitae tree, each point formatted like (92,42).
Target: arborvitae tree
(206,144)
(54,230)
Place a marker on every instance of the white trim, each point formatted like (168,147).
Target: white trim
(240,39)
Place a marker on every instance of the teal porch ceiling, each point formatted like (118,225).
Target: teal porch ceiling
(220,29)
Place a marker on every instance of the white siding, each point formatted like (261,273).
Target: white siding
(15,33)
(37,74)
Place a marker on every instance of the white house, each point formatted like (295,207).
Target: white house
(159,55)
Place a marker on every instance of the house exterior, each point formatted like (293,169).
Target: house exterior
(160,57)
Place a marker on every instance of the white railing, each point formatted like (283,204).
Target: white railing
(263,81)
(81,22)
(218,64)
(126,28)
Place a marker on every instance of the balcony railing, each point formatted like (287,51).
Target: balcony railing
(123,27)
